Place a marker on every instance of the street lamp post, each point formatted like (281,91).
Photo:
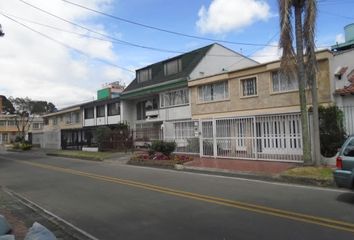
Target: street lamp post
(1,32)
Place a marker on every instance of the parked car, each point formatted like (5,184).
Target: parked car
(344,174)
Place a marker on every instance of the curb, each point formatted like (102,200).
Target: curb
(271,178)
(75,157)
(67,227)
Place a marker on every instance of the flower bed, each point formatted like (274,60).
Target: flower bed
(158,159)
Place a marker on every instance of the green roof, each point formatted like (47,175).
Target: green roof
(189,61)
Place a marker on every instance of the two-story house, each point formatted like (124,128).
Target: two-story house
(62,129)
(159,94)
(254,113)
(8,129)
(342,73)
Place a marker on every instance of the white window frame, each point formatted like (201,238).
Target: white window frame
(163,95)
(144,75)
(202,93)
(178,62)
(279,90)
(241,86)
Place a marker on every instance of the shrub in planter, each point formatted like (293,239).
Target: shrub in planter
(164,147)
(332,131)
(25,146)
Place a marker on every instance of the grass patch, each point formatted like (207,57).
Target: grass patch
(321,173)
(97,156)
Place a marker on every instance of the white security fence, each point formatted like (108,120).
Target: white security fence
(265,137)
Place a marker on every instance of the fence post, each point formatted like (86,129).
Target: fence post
(215,146)
(200,135)
(255,138)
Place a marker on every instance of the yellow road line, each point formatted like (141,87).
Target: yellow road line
(326,222)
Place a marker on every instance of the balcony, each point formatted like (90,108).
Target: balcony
(167,114)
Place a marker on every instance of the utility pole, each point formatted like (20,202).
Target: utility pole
(1,32)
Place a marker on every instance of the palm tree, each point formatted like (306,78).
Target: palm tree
(304,40)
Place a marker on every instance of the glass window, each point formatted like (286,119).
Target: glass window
(89,113)
(76,117)
(68,119)
(55,121)
(144,75)
(2,123)
(100,111)
(11,123)
(282,83)
(173,67)
(213,92)
(175,98)
(349,149)
(249,86)
(113,109)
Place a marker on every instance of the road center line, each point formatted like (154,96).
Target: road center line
(326,222)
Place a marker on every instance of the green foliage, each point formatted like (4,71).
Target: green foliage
(332,131)
(103,134)
(25,146)
(164,147)
(7,105)
(19,139)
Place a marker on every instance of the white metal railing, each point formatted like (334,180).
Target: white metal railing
(263,137)
(185,134)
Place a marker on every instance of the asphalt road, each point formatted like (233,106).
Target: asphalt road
(116,201)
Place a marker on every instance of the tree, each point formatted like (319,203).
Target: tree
(7,106)
(304,33)
(1,32)
(25,111)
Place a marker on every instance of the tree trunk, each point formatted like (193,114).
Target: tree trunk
(316,148)
(306,141)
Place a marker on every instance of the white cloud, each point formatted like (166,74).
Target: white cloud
(36,67)
(340,38)
(227,15)
(267,54)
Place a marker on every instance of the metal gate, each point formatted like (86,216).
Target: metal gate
(265,137)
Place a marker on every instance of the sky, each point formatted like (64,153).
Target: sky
(44,57)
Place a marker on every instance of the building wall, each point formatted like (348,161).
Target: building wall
(218,60)
(62,121)
(342,59)
(265,102)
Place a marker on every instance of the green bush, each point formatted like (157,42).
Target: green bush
(332,132)
(164,147)
(25,146)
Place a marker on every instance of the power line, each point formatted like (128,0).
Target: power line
(258,49)
(336,15)
(162,29)
(67,46)
(112,39)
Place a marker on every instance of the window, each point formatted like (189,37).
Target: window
(68,119)
(147,105)
(213,92)
(2,123)
(144,75)
(100,111)
(36,126)
(249,86)
(173,67)
(113,109)
(349,149)
(175,98)
(282,83)
(11,123)
(76,117)
(89,113)
(55,121)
